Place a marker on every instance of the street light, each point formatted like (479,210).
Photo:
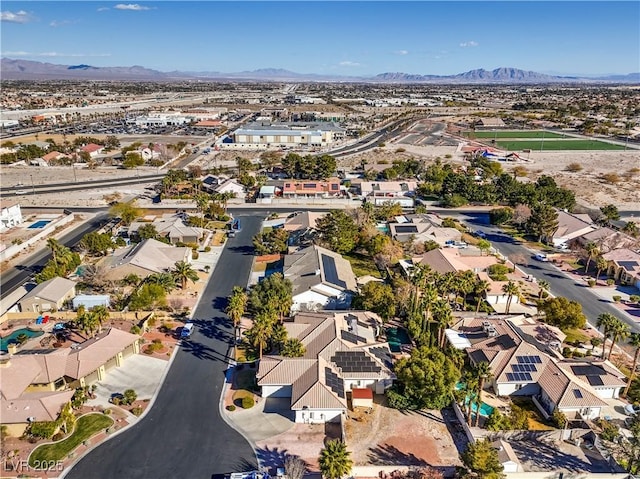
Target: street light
(33,188)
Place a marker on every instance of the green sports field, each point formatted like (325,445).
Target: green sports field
(514,134)
(557,145)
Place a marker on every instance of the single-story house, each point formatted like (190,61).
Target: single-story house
(379,192)
(143,259)
(342,354)
(230,186)
(623,265)
(48,295)
(34,387)
(170,226)
(607,239)
(571,226)
(322,279)
(311,188)
(507,456)
(10,215)
(93,149)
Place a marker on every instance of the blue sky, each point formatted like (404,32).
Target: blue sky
(342,38)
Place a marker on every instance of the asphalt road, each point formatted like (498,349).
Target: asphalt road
(184,435)
(15,277)
(560,284)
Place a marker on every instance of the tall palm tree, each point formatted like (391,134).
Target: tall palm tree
(293,348)
(335,461)
(443,317)
(481,287)
(184,272)
(619,330)
(544,286)
(601,265)
(605,322)
(262,329)
(511,289)
(470,388)
(483,372)
(56,248)
(101,314)
(237,306)
(429,297)
(634,340)
(592,251)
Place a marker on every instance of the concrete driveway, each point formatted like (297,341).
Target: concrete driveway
(138,372)
(268,418)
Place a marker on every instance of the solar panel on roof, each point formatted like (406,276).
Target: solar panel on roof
(335,186)
(595,380)
(406,229)
(352,338)
(330,271)
(334,382)
(577,393)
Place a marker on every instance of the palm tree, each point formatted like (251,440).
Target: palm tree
(55,247)
(631,228)
(101,315)
(293,348)
(619,330)
(237,306)
(511,289)
(634,340)
(166,280)
(470,388)
(601,265)
(442,316)
(481,287)
(183,272)
(605,321)
(483,372)
(592,251)
(262,329)
(544,286)
(429,297)
(335,461)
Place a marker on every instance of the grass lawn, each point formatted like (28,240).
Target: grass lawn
(576,334)
(536,421)
(86,427)
(558,145)
(362,265)
(514,134)
(217,225)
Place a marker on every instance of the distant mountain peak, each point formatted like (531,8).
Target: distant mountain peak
(17,69)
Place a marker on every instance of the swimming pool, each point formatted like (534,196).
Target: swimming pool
(396,338)
(13,337)
(39,224)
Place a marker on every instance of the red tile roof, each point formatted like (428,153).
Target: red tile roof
(91,147)
(361,393)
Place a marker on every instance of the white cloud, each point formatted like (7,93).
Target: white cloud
(60,23)
(349,64)
(54,54)
(131,6)
(470,43)
(103,9)
(18,17)
(402,52)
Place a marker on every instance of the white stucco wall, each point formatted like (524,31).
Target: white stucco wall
(318,416)
(281,391)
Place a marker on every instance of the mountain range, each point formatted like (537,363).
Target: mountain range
(16,69)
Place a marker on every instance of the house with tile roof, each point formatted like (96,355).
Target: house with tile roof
(379,192)
(623,265)
(36,384)
(607,239)
(421,228)
(48,295)
(341,354)
(571,226)
(311,188)
(143,259)
(93,149)
(519,367)
(170,226)
(322,279)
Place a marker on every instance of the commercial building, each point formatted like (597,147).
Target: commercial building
(289,134)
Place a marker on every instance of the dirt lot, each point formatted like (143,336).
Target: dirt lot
(390,437)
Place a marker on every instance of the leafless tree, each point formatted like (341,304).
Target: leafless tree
(294,467)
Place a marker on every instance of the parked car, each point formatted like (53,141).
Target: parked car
(540,257)
(187,330)
(631,410)
(480,234)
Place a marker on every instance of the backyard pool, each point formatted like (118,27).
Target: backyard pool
(13,337)
(396,338)
(39,224)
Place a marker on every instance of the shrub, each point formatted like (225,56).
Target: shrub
(591,282)
(498,421)
(207,249)
(135,330)
(57,436)
(247,402)
(231,407)
(567,352)
(616,298)
(634,298)
(195,255)
(106,412)
(43,429)
(498,272)
(519,417)
(609,431)
(612,178)
(574,167)
(559,419)
(397,400)
(129,397)
(400,150)
(611,282)
(136,411)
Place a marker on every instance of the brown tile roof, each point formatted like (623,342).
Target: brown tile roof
(280,371)
(43,406)
(97,351)
(565,391)
(595,373)
(53,289)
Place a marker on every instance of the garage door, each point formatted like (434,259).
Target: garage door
(606,393)
(91,378)
(276,391)
(110,364)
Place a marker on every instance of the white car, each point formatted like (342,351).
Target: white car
(540,257)
(631,410)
